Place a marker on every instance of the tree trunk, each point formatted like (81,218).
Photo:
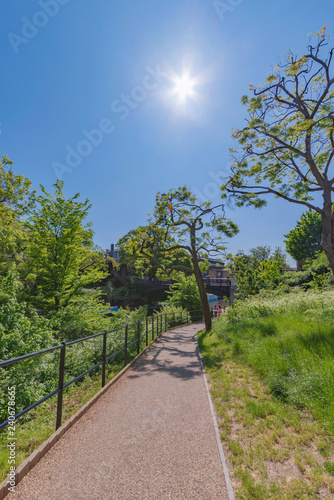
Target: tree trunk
(57,303)
(327,239)
(199,279)
(202,293)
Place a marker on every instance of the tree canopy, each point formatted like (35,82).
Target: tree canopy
(61,259)
(304,241)
(260,269)
(15,197)
(287,146)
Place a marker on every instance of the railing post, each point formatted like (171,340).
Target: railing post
(138,337)
(146,331)
(104,358)
(152,327)
(126,346)
(61,384)
(161,323)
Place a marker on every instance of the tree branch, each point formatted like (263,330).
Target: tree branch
(273,191)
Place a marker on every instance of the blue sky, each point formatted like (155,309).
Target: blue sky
(71,67)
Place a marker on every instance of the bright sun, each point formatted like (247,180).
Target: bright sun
(184,87)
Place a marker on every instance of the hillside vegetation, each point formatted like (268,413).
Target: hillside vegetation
(289,341)
(270,361)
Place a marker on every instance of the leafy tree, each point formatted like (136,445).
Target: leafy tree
(246,275)
(60,251)
(279,256)
(184,293)
(260,269)
(264,253)
(287,146)
(144,251)
(269,273)
(15,196)
(304,241)
(180,236)
(260,253)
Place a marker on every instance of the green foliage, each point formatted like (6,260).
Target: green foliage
(260,253)
(23,331)
(184,293)
(259,270)
(146,250)
(316,274)
(329,466)
(15,198)
(126,316)
(84,315)
(304,241)
(289,341)
(247,277)
(279,256)
(113,294)
(176,315)
(60,251)
(269,273)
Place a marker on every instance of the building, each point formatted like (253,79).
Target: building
(217,272)
(113,252)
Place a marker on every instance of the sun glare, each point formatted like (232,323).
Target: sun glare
(184,87)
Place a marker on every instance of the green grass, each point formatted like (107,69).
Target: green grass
(271,364)
(329,466)
(292,351)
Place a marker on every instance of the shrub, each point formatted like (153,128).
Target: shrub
(174,314)
(184,293)
(23,331)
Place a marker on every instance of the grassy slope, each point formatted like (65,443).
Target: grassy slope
(271,364)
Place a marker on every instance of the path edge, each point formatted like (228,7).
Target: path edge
(229,486)
(33,459)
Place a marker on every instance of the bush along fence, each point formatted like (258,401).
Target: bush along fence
(105,346)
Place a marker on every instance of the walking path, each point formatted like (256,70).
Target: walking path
(150,436)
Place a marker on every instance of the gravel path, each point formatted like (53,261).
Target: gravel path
(150,436)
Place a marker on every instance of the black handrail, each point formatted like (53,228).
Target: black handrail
(27,356)
(105,358)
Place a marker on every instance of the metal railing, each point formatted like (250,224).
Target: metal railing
(155,323)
